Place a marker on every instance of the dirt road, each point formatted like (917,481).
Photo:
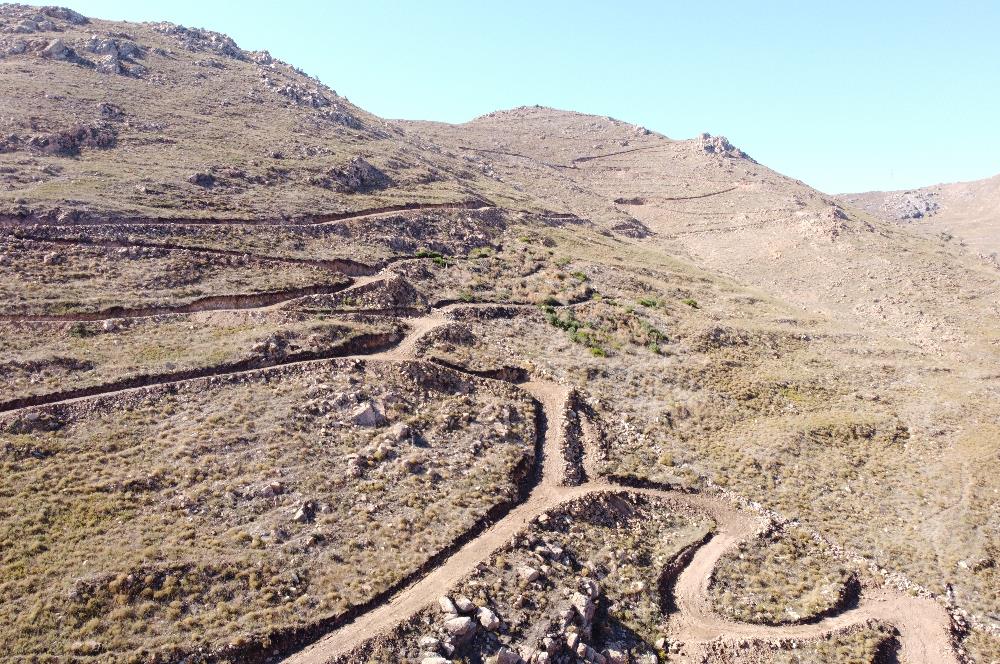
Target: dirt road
(924,625)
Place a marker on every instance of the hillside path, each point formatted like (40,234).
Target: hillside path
(924,625)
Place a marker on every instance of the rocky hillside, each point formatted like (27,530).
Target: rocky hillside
(707,202)
(278,373)
(963,212)
(155,119)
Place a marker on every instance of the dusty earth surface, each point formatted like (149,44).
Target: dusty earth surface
(283,379)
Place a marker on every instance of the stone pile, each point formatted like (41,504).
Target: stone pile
(461,620)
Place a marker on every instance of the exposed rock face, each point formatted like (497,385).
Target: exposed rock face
(720,145)
(902,205)
(65,143)
(64,14)
(194,39)
(57,50)
(360,176)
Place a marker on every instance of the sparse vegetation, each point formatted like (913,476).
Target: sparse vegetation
(741,331)
(621,543)
(783,577)
(155,529)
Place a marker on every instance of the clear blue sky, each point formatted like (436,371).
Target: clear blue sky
(846,95)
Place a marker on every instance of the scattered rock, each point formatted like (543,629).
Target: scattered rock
(429,643)
(272,489)
(488,619)
(399,432)
(720,145)
(64,14)
(508,656)
(65,143)
(360,176)
(464,604)
(111,111)
(101,46)
(57,50)
(109,64)
(368,415)
(616,657)
(527,573)
(305,513)
(447,606)
(459,627)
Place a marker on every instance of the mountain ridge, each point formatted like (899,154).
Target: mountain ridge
(268,358)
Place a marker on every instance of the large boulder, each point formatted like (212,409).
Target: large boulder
(368,415)
(57,50)
(460,627)
(360,176)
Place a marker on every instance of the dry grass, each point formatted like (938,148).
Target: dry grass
(39,358)
(982,646)
(168,524)
(368,239)
(40,278)
(270,135)
(864,441)
(871,643)
(782,577)
(830,366)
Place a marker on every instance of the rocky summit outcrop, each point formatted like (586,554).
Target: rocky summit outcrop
(960,212)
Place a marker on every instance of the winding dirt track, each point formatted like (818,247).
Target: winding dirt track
(924,625)
(340,265)
(234,302)
(318,220)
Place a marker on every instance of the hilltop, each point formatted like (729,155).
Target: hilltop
(968,212)
(156,119)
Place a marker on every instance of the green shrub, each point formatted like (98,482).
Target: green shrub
(80,331)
